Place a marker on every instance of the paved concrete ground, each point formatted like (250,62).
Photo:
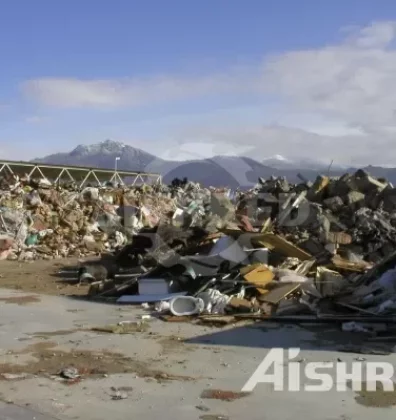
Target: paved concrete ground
(214,358)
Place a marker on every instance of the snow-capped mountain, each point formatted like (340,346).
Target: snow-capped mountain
(103,155)
(278,162)
(232,171)
(107,147)
(282,162)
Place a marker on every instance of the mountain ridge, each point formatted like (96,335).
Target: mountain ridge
(232,171)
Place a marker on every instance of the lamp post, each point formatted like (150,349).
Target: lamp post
(115,163)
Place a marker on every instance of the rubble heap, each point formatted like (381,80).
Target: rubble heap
(322,251)
(355,212)
(39,221)
(312,251)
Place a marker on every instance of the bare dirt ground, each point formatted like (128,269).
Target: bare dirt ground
(39,277)
(64,358)
(90,364)
(59,359)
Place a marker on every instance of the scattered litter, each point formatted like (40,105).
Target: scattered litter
(202,408)
(213,417)
(218,394)
(123,328)
(70,373)
(162,306)
(119,395)
(15,376)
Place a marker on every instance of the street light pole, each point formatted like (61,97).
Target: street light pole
(115,163)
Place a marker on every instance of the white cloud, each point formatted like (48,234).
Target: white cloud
(346,88)
(201,149)
(261,142)
(375,35)
(70,93)
(352,81)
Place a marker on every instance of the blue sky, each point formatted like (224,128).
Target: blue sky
(195,78)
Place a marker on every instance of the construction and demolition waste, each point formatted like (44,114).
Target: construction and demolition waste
(322,251)
(38,221)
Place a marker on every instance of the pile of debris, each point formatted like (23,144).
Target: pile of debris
(239,276)
(319,249)
(355,211)
(279,251)
(39,221)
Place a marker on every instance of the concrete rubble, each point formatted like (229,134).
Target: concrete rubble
(311,252)
(38,221)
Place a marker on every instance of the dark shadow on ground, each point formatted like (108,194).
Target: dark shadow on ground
(70,274)
(306,337)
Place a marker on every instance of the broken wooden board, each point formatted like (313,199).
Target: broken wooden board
(249,268)
(270,241)
(281,245)
(173,318)
(238,304)
(276,295)
(217,319)
(340,238)
(341,264)
(260,275)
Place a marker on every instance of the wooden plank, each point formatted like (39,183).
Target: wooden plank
(341,238)
(356,308)
(281,245)
(276,295)
(173,318)
(217,319)
(260,276)
(341,264)
(271,241)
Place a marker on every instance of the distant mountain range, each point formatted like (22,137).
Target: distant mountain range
(281,162)
(216,171)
